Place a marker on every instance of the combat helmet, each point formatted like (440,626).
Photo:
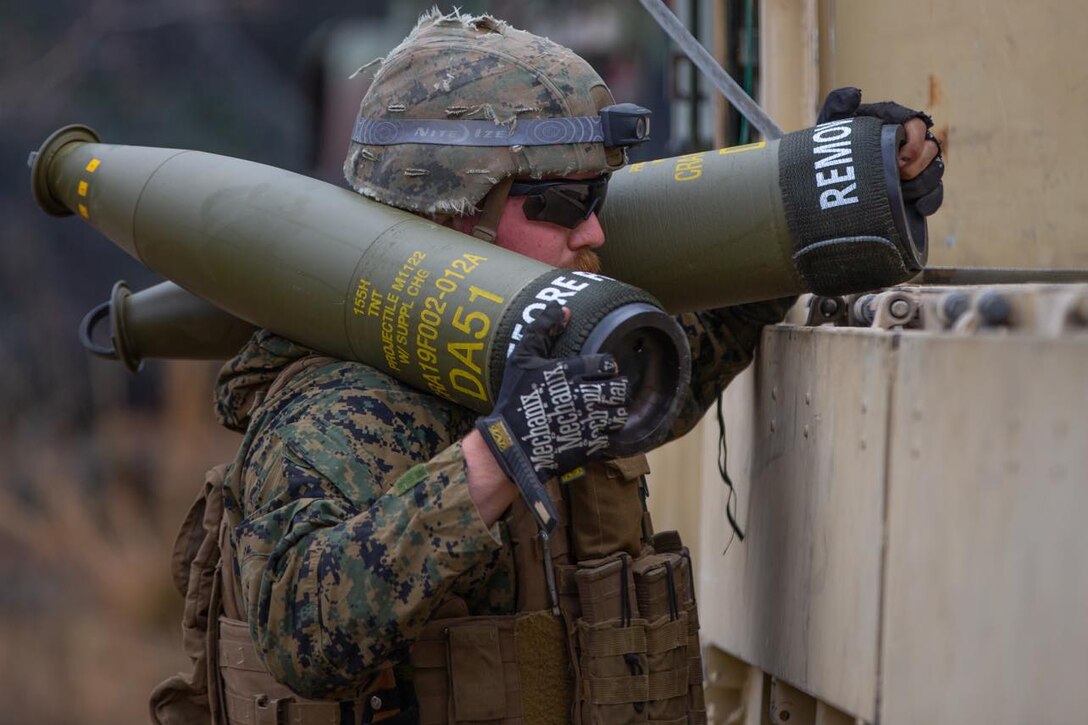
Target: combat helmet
(466,103)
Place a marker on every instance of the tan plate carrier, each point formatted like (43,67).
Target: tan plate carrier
(624,647)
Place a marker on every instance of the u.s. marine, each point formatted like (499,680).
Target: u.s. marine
(366,557)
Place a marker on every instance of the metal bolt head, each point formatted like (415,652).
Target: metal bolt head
(863,309)
(953,305)
(899,308)
(829,306)
(994,308)
(375,702)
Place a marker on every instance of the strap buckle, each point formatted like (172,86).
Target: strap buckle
(487,226)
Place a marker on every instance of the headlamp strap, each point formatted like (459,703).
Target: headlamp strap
(617,126)
(487,228)
(452,132)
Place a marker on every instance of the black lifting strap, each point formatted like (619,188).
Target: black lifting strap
(731,499)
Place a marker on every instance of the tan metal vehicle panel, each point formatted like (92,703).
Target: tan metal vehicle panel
(986,603)
(798,596)
(913,503)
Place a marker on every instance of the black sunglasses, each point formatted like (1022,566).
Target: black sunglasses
(566,202)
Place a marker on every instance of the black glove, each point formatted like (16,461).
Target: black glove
(925,192)
(551,416)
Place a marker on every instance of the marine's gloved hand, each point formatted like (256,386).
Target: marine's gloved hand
(552,415)
(920,164)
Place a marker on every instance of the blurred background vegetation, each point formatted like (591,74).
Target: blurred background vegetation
(100,465)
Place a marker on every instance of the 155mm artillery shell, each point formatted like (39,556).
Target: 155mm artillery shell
(355,279)
(818,210)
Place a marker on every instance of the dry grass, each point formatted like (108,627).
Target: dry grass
(89,618)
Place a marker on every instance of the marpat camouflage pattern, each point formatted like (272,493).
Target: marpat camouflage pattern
(505,75)
(354,523)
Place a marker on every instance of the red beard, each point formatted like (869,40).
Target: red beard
(587,261)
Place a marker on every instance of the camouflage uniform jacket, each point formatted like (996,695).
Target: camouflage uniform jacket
(354,522)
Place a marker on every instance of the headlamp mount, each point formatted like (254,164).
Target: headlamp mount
(625,124)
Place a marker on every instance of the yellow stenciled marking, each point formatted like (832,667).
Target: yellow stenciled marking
(83,212)
(746,147)
(635,168)
(688,168)
(362,292)
(92,165)
(82,189)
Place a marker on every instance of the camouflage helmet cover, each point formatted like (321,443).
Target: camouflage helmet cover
(454,66)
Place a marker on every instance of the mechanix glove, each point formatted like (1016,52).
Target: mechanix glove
(552,415)
(924,192)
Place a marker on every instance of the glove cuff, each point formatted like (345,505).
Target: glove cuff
(517,467)
(892,112)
